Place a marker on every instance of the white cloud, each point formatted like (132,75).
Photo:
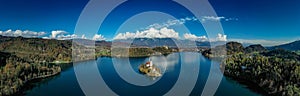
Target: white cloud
(260,41)
(57,32)
(66,37)
(25,33)
(69,36)
(193,37)
(221,37)
(166,33)
(171,23)
(160,30)
(150,33)
(98,37)
(182,21)
(212,18)
(63,35)
(46,38)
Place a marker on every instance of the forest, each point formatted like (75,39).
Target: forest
(276,71)
(17,72)
(27,59)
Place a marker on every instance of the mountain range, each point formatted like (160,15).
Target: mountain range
(154,42)
(293,46)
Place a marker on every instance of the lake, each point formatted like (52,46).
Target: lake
(122,82)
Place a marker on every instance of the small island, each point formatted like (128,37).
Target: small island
(149,69)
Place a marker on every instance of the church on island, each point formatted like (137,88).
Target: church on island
(149,69)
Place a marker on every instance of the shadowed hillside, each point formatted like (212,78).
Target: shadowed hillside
(293,46)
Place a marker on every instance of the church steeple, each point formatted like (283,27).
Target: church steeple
(151,63)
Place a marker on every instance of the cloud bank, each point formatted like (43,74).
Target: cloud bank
(221,37)
(25,33)
(193,37)
(57,32)
(160,30)
(157,30)
(150,33)
(166,33)
(63,35)
(98,37)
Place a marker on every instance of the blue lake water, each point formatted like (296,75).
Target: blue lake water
(66,84)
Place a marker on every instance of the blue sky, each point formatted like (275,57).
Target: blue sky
(258,21)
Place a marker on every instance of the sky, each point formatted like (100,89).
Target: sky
(268,22)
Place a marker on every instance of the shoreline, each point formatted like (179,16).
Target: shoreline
(249,84)
(27,84)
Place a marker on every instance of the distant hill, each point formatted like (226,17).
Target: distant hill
(36,49)
(156,42)
(153,42)
(234,47)
(281,53)
(293,46)
(255,48)
(103,43)
(228,48)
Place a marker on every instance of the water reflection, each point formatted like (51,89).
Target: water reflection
(173,64)
(165,63)
(128,71)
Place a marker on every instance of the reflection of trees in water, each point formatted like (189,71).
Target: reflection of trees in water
(65,66)
(36,84)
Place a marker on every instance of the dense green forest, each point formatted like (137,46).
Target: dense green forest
(26,59)
(37,50)
(277,76)
(276,71)
(16,72)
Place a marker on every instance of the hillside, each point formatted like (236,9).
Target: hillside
(158,42)
(15,72)
(234,47)
(293,46)
(281,53)
(37,50)
(255,48)
(26,59)
(221,50)
(276,72)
